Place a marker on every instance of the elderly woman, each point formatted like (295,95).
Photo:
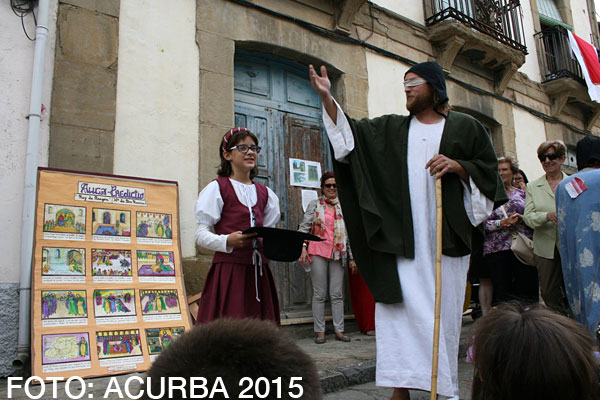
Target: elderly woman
(511,279)
(540,214)
(324,218)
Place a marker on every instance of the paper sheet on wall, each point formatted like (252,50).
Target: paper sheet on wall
(108,292)
(307,197)
(305,173)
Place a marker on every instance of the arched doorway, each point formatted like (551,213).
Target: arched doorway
(274,99)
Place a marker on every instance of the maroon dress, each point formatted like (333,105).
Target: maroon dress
(233,284)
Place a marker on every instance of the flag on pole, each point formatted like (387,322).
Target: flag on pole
(587,56)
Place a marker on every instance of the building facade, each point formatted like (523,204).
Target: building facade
(148,88)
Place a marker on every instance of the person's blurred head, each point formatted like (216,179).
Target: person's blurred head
(588,152)
(532,354)
(520,180)
(233,349)
(328,186)
(507,167)
(552,155)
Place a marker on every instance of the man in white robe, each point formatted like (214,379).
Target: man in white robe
(404,323)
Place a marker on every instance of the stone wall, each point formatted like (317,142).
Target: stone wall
(9,321)
(84,91)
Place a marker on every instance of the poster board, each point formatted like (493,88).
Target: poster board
(107,282)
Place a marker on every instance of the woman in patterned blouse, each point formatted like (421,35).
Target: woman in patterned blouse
(511,279)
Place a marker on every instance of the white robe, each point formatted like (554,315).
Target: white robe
(405,330)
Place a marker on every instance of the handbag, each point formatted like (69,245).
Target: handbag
(521,246)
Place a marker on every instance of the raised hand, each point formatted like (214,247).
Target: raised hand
(322,86)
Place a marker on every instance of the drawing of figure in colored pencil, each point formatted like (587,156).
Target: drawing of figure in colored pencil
(111,222)
(113,344)
(160,263)
(111,262)
(114,302)
(154,225)
(64,219)
(66,347)
(160,338)
(159,301)
(83,347)
(63,261)
(63,304)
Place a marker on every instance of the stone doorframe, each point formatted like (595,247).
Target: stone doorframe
(252,30)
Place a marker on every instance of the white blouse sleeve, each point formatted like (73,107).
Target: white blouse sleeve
(272,212)
(339,133)
(208,213)
(477,205)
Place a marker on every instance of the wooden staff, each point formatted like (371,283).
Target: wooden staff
(438,287)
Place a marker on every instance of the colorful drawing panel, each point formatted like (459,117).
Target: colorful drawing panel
(89,268)
(163,301)
(154,225)
(64,304)
(160,338)
(120,343)
(64,219)
(111,262)
(155,263)
(63,261)
(114,302)
(111,222)
(66,347)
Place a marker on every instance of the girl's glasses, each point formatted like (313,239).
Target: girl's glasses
(330,185)
(243,148)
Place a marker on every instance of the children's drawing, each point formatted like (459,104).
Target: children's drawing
(111,262)
(64,219)
(66,347)
(64,304)
(159,302)
(114,344)
(155,263)
(111,222)
(160,338)
(154,225)
(114,302)
(63,261)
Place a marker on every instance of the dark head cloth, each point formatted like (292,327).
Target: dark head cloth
(282,244)
(588,149)
(433,73)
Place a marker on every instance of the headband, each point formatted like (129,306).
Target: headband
(230,133)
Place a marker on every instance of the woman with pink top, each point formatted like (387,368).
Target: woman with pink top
(324,218)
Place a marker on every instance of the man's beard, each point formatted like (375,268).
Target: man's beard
(421,103)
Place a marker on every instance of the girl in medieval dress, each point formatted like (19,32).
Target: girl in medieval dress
(239,283)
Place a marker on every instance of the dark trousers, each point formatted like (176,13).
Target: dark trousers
(552,283)
(511,279)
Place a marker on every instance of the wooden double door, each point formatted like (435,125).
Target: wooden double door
(274,99)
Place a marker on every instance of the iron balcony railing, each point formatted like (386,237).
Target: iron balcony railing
(556,56)
(500,19)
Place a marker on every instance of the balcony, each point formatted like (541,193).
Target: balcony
(488,32)
(561,74)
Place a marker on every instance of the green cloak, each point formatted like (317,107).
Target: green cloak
(374,193)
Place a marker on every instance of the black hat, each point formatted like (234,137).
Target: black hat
(588,149)
(433,73)
(282,244)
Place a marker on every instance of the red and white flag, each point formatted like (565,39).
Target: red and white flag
(587,56)
(575,187)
